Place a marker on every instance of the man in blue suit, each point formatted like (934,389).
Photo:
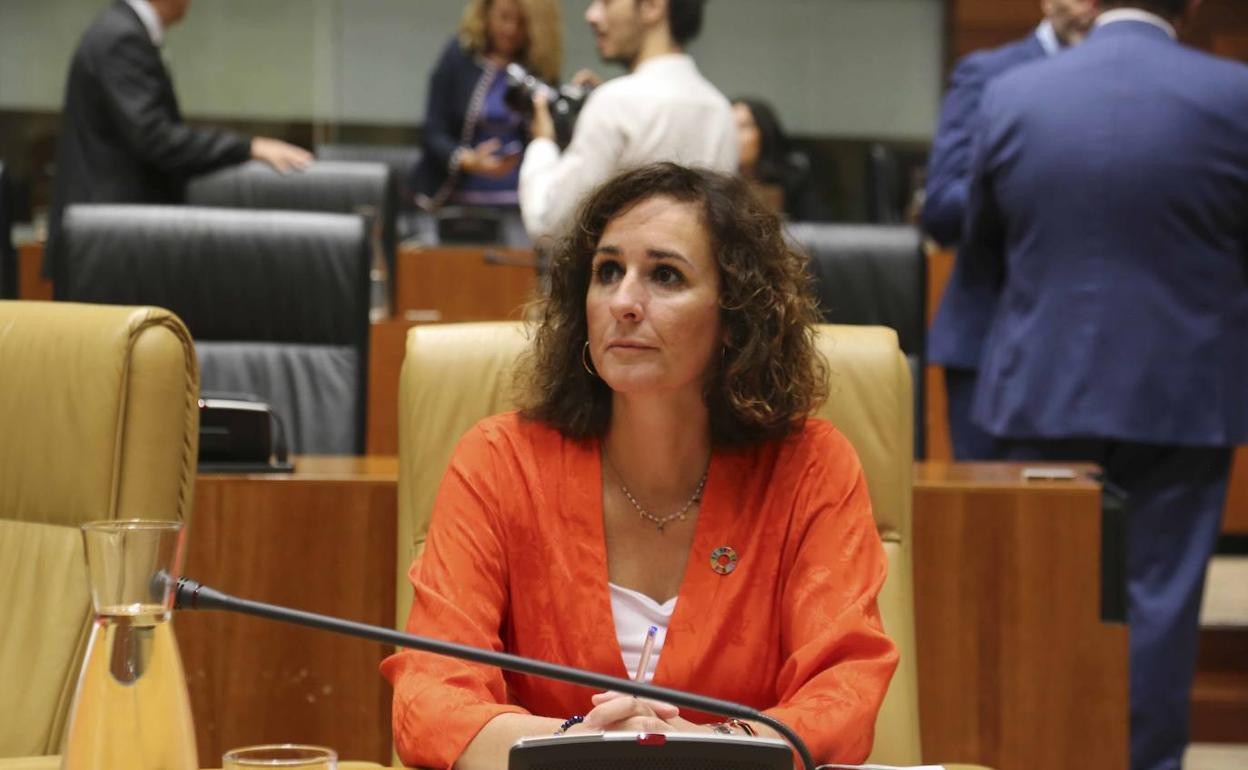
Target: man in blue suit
(961,322)
(1108,207)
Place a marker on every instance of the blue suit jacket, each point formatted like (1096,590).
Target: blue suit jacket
(1109,205)
(961,322)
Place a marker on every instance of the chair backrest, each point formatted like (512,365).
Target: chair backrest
(885,186)
(98,420)
(8,257)
(894,174)
(277,301)
(332,186)
(873,275)
(401,158)
(454,375)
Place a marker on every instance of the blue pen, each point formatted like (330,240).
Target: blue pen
(647,647)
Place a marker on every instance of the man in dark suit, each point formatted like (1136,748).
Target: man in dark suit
(1109,207)
(961,322)
(122,135)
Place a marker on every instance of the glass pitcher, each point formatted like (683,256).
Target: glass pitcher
(131,708)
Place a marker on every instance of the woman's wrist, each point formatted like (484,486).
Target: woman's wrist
(462,159)
(569,723)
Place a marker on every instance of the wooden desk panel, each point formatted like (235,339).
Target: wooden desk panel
(1235,514)
(387,346)
(30,281)
(458,284)
(323,540)
(936,419)
(1016,670)
(1012,568)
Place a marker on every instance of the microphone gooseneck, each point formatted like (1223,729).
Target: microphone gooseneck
(191,595)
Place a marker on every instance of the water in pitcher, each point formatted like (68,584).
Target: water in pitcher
(131,708)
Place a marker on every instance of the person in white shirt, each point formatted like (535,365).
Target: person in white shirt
(663,109)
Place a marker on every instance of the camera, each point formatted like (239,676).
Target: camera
(565,101)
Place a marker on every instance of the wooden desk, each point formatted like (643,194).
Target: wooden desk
(1235,514)
(459,283)
(936,419)
(322,539)
(1006,589)
(387,346)
(30,281)
(1016,669)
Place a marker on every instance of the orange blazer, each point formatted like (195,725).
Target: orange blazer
(515,560)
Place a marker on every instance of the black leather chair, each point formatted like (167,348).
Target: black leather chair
(277,301)
(8,256)
(336,186)
(873,275)
(402,160)
(893,173)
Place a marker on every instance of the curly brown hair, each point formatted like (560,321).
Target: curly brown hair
(771,376)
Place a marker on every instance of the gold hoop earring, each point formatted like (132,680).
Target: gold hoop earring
(585,361)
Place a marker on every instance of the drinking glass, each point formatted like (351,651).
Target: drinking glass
(131,708)
(283,756)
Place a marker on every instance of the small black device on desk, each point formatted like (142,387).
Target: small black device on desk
(650,751)
(236,435)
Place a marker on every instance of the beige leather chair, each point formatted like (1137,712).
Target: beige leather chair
(98,420)
(454,375)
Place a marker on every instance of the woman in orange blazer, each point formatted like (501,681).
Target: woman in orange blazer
(663,472)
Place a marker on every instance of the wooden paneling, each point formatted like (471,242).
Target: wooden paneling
(387,345)
(1016,670)
(936,421)
(463,283)
(976,24)
(1232,46)
(322,539)
(440,284)
(30,282)
(1220,26)
(1220,693)
(1235,515)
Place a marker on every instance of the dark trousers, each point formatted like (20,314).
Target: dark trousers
(969,441)
(1175,497)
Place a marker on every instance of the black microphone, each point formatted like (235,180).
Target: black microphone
(190,595)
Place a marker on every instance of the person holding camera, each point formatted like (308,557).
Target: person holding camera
(472,139)
(663,109)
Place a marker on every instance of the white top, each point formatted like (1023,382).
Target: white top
(663,110)
(1135,14)
(147,15)
(634,614)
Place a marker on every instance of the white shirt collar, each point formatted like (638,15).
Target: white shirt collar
(1048,38)
(1135,14)
(666,60)
(151,21)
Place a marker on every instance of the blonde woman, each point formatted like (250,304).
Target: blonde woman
(472,140)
